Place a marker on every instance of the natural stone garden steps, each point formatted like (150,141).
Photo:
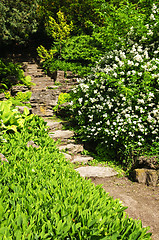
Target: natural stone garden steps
(94,171)
(71,148)
(65,136)
(44,97)
(44,92)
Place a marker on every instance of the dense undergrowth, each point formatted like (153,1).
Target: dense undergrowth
(11,74)
(43,197)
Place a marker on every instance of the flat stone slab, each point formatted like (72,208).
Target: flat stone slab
(62,134)
(93,171)
(71,148)
(53,125)
(82,159)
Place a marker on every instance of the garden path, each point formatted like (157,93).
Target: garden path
(142,201)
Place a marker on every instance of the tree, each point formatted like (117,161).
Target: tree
(80,12)
(18,19)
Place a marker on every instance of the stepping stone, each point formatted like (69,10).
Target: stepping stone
(62,134)
(82,159)
(93,171)
(53,125)
(71,148)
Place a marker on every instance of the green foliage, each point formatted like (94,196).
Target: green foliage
(46,55)
(21,99)
(63,98)
(18,19)
(23,96)
(81,52)
(117,105)
(59,31)
(12,74)
(80,12)
(11,119)
(43,197)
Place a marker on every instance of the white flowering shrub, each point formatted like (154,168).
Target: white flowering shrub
(117,106)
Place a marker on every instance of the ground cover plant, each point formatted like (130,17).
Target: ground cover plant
(117,106)
(43,197)
(10,118)
(21,99)
(12,74)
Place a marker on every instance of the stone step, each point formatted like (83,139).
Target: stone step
(93,171)
(63,135)
(53,125)
(34,70)
(37,74)
(82,159)
(71,148)
(44,79)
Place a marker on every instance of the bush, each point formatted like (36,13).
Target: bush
(43,197)
(12,74)
(117,106)
(11,119)
(81,52)
(18,20)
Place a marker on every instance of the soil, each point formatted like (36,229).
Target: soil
(142,201)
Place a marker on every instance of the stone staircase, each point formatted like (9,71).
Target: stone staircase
(45,94)
(67,144)
(46,90)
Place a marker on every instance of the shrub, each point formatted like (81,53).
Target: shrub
(12,74)
(18,20)
(81,52)
(117,106)
(63,98)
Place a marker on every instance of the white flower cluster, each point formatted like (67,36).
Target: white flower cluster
(118,104)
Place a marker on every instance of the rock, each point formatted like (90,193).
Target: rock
(53,125)
(31,143)
(2,97)
(18,88)
(72,148)
(140,175)
(67,156)
(60,76)
(21,109)
(93,171)
(3,158)
(151,162)
(146,176)
(43,101)
(82,159)
(62,134)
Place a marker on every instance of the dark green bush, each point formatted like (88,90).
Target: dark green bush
(18,19)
